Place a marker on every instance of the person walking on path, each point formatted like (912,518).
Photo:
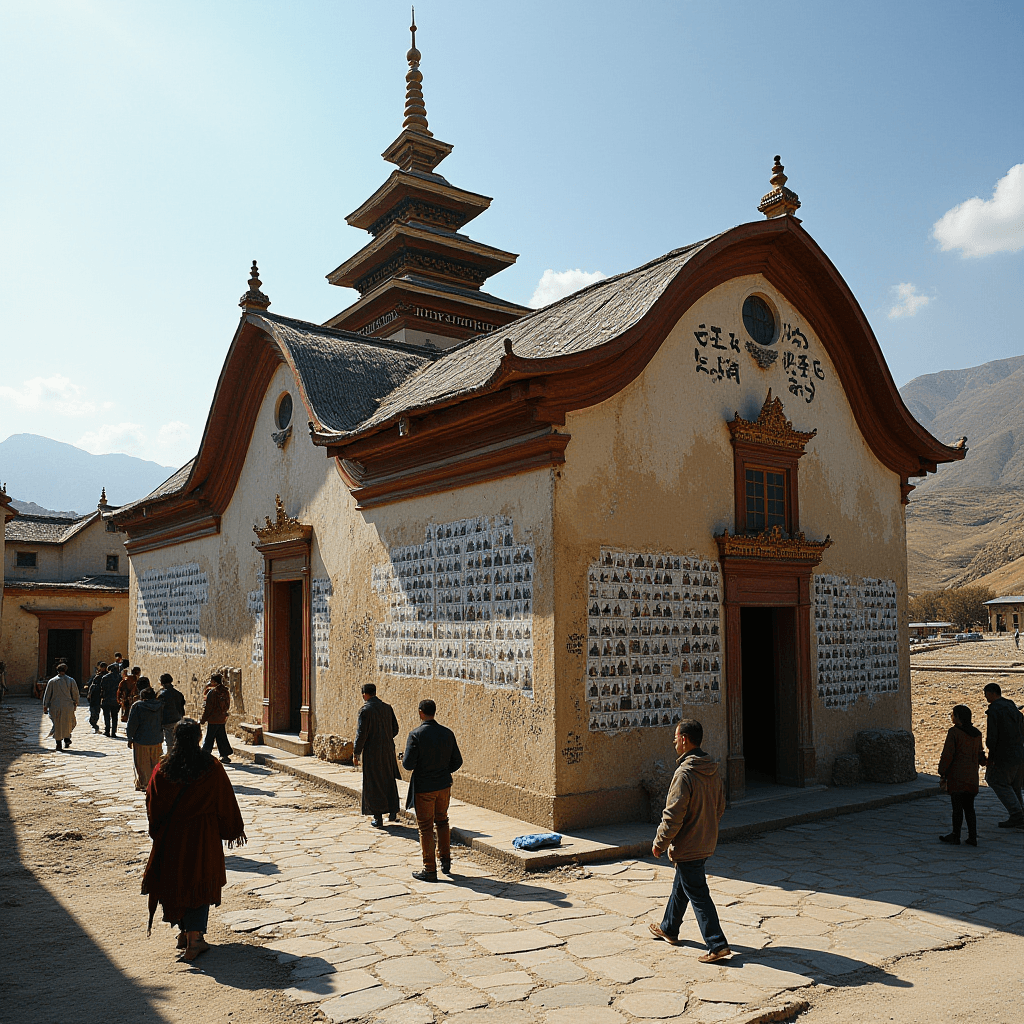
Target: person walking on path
(432,754)
(108,699)
(1016,638)
(173,702)
(1004,738)
(689,831)
(958,768)
(192,809)
(128,691)
(375,745)
(145,734)
(216,706)
(94,694)
(60,698)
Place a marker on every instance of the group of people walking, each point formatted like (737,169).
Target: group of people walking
(963,754)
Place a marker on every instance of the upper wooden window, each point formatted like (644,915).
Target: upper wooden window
(26,559)
(766,499)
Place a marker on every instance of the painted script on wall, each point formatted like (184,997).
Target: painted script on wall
(654,638)
(167,610)
(856,628)
(459,606)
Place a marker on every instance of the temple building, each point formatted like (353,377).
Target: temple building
(678,492)
(65,595)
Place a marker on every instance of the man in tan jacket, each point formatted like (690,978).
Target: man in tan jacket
(689,831)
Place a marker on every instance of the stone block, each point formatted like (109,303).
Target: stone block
(333,748)
(655,777)
(847,770)
(251,733)
(887,755)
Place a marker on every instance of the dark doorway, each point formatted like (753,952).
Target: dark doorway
(64,645)
(760,741)
(295,655)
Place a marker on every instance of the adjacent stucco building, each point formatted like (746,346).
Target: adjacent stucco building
(65,595)
(676,493)
(1006,614)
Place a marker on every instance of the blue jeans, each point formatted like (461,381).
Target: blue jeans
(691,887)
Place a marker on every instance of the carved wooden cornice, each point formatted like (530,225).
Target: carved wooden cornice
(771,429)
(283,529)
(773,545)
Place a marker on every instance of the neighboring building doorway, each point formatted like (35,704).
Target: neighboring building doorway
(64,645)
(293,646)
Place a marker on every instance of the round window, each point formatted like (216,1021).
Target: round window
(759,320)
(284,411)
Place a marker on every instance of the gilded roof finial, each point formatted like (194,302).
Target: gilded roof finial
(781,201)
(103,498)
(254,299)
(415,108)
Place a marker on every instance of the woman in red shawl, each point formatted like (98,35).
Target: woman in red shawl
(192,809)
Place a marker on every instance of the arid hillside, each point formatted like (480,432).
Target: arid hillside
(965,524)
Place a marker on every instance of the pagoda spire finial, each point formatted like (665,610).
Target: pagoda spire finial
(781,201)
(254,299)
(415,108)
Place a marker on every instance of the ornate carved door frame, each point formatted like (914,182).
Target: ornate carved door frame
(770,570)
(286,547)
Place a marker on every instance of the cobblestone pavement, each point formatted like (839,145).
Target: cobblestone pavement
(813,905)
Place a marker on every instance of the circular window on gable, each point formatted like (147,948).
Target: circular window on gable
(284,411)
(759,320)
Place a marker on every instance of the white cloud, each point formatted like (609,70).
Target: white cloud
(129,438)
(981,227)
(908,301)
(173,444)
(556,284)
(56,393)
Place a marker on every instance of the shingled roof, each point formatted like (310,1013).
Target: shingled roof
(27,529)
(586,319)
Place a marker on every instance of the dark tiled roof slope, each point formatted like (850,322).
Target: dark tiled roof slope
(345,375)
(584,320)
(172,485)
(26,529)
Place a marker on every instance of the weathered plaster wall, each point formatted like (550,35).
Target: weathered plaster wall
(506,735)
(85,554)
(651,470)
(19,639)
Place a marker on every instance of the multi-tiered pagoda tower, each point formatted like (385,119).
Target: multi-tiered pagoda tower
(419,278)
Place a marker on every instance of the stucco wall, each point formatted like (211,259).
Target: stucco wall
(651,470)
(19,639)
(506,736)
(85,554)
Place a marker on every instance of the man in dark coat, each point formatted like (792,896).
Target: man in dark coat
(432,754)
(375,735)
(1004,738)
(94,693)
(173,702)
(108,698)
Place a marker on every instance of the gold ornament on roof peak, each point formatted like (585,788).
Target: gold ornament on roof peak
(781,201)
(254,299)
(415,106)
(282,527)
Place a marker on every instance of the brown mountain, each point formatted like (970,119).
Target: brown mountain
(965,524)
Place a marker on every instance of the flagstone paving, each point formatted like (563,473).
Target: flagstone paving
(809,905)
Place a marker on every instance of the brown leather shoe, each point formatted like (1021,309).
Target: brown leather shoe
(714,955)
(659,934)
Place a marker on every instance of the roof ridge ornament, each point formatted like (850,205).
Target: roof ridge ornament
(781,201)
(771,429)
(282,529)
(254,300)
(415,106)
(103,498)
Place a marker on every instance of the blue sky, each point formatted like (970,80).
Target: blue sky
(151,151)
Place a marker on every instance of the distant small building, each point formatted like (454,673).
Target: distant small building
(65,588)
(1005,614)
(923,629)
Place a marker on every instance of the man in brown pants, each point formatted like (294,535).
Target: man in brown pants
(431,754)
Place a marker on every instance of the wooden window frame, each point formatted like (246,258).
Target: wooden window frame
(19,564)
(754,456)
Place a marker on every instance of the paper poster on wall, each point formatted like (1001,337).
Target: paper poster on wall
(322,591)
(654,638)
(167,610)
(459,606)
(254,603)
(856,630)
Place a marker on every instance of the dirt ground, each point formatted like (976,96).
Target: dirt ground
(73,925)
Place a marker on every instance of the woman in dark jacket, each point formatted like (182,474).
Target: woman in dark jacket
(958,767)
(192,810)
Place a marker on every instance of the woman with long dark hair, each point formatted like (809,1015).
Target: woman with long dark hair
(958,768)
(192,810)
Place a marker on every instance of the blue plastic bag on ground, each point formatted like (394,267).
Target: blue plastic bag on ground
(537,840)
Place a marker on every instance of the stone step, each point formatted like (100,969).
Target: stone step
(288,741)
